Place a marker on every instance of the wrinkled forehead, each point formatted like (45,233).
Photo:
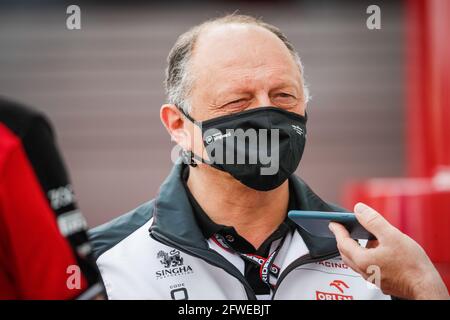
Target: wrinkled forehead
(238,50)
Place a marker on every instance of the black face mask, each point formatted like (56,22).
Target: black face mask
(261,147)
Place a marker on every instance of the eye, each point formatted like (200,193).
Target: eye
(285,95)
(236,103)
(285,98)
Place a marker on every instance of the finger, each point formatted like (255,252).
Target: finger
(346,245)
(351,264)
(338,230)
(371,220)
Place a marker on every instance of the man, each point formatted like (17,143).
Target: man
(44,250)
(219,229)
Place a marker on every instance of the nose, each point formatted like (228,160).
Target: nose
(261,100)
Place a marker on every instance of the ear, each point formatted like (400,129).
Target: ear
(174,121)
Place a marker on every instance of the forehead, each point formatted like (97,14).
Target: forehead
(235,53)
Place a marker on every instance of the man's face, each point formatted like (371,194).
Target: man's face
(240,67)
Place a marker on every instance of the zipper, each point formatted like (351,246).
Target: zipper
(248,289)
(305,259)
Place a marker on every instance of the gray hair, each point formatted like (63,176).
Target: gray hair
(179,81)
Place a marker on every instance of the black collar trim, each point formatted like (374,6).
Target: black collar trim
(175,220)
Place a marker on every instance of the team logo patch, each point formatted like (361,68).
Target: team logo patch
(173,264)
(338,285)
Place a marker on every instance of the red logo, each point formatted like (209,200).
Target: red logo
(339,285)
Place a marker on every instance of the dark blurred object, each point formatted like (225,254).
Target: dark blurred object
(38,208)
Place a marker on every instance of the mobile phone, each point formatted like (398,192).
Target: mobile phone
(316,223)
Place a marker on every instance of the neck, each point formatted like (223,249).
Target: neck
(226,201)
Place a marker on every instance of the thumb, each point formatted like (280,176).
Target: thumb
(371,220)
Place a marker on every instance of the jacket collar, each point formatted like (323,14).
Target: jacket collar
(174,218)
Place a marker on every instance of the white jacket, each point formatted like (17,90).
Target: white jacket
(157,251)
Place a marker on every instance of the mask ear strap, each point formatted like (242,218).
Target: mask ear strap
(189,156)
(187,115)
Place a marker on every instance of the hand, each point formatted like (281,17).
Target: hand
(405,269)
